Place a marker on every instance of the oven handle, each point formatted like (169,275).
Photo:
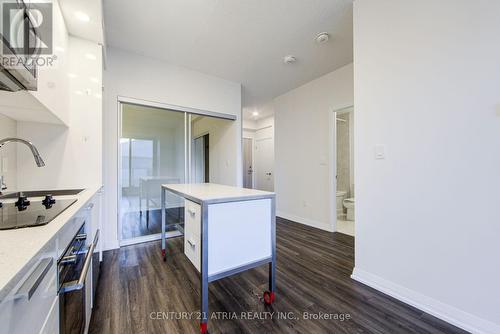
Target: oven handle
(80,283)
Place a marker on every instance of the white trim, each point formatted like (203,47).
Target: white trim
(173,107)
(148,238)
(333,162)
(332,144)
(427,304)
(305,221)
(255,130)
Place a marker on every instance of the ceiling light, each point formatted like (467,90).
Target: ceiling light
(82,16)
(94,80)
(322,37)
(289,59)
(79,92)
(255,113)
(60,49)
(72,75)
(90,56)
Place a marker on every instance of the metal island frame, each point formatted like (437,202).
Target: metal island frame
(227,230)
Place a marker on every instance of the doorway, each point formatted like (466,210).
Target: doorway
(158,145)
(151,150)
(344,171)
(201,159)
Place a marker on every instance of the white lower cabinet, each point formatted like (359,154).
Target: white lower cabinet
(24,310)
(192,237)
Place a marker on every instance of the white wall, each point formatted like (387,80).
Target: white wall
(427,217)
(222,148)
(8,153)
(303,148)
(72,155)
(135,76)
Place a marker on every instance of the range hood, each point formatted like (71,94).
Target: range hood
(16,79)
(18,69)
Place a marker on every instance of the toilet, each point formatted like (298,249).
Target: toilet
(340,200)
(349,205)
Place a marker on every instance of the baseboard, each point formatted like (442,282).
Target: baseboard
(427,304)
(305,221)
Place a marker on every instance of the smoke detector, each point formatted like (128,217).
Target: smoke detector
(322,37)
(289,59)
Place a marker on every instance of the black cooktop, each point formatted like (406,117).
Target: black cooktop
(31,213)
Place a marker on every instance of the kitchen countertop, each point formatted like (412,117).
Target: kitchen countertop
(211,193)
(18,247)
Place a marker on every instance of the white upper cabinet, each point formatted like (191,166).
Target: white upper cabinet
(50,102)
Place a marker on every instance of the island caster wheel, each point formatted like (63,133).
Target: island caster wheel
(268,297)
(164,255)
(203,328)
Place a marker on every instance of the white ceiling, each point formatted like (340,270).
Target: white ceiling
(242,41)
(91,30)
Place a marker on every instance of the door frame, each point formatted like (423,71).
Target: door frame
(333,163)
(188,112)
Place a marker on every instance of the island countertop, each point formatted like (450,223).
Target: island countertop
(211,193)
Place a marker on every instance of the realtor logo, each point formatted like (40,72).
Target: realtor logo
(27,31)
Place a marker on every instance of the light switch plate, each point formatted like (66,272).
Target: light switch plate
(379,152)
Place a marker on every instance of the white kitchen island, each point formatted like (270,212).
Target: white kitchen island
(227,230)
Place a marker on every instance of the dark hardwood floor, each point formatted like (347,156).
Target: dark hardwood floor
(137,290)
(134,224)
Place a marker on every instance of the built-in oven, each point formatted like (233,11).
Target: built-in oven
(73,269)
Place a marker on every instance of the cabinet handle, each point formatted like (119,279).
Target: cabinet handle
(191,243)
(33,281)
(90,206)
(191,212)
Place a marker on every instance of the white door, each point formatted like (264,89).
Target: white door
(247,163)
(264,162)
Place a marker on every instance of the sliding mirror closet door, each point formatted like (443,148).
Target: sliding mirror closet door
(152,151)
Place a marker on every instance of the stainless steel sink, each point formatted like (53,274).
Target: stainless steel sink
(41,193)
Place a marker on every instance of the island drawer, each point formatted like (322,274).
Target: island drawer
(192,239)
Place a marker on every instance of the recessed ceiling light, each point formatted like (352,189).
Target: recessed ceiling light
(255,113)
(79,92)
(94,80)
(82,16)
(289,59)
(72,75)
(90,56)
(322,37)
(60,49)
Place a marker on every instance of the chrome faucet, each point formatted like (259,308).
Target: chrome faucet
(34,151)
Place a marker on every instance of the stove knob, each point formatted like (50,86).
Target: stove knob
(49,200)
(22,202)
